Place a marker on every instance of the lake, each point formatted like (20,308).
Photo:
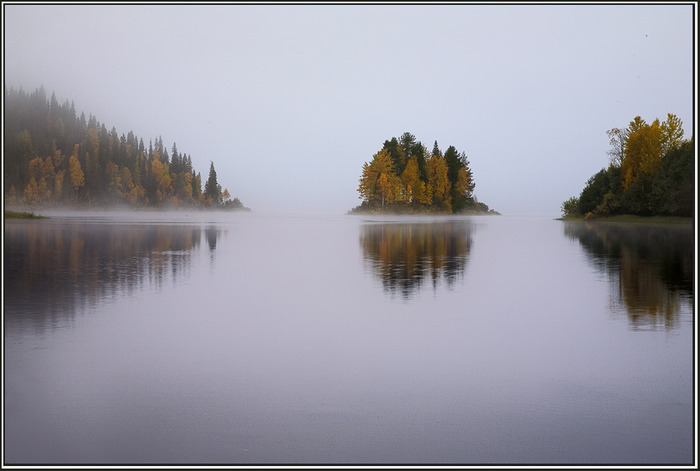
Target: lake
(239,338)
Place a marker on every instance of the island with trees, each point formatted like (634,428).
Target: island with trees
(651,173)
(404,177)
(54,157)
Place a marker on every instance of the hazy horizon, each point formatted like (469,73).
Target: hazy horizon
(288,101)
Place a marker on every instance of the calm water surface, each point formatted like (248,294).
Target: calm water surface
(155,338)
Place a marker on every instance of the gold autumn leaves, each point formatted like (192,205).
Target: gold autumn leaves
(404,176)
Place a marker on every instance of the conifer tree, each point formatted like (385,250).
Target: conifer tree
(212,191)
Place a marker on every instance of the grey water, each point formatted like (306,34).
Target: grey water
(237,338)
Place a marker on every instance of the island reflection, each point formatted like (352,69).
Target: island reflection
(404,255)
(51,269)
(651,266)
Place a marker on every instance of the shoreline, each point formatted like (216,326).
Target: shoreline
(630,218)
(22,215)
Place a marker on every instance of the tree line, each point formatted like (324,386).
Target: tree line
(53,156)
(651,173)
(405,177)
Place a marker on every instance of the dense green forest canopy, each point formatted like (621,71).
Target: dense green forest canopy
(651,173)
(55,157)
(405,177)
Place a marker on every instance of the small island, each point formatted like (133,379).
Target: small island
(651,174)
(405,178)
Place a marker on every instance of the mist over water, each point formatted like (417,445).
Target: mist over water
(238,338)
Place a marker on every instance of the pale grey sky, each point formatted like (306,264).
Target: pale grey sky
(289,101)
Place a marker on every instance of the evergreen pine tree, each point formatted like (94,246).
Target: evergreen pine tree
(212,191)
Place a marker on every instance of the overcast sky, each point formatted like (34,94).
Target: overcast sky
(289,101)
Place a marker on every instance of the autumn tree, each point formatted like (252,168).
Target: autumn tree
(462,188)
(31,192)
(650,173)
(378,182)
(439,183)
(383,187)
(643,151)
(671,133)
(37,189)
(77,178)
(410,178)
(48,176)
(398,155)
(58,161)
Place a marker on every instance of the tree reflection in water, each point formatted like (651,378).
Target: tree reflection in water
(651,266)
(53,269)
(403,255)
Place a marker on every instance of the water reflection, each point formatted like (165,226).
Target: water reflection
(403,255)
(212,233)
(52,269)
(651,266)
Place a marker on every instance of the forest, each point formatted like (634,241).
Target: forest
(651,173)
(54,157)
(404,177)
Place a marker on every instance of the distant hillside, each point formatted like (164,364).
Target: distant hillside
(53,157)
(404,177)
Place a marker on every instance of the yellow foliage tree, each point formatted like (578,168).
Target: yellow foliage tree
(126,180)
(137,195)
(383,187)
(58,181)
(157,168)
(643,151)
(423,195)
(114,179)
(44,190)
(188,187)
(59,172)
(36,166)
(671,132)
(438,182)
(369,188)
(161,173)
(77,177)
(38,189)
(94,143)
(48,177)
(31,193)
(410,179)
(464,182)
(48,170)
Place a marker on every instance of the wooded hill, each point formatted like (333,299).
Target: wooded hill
(404,177)
(55,157)
(651,173)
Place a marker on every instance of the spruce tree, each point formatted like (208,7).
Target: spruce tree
(212,191)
